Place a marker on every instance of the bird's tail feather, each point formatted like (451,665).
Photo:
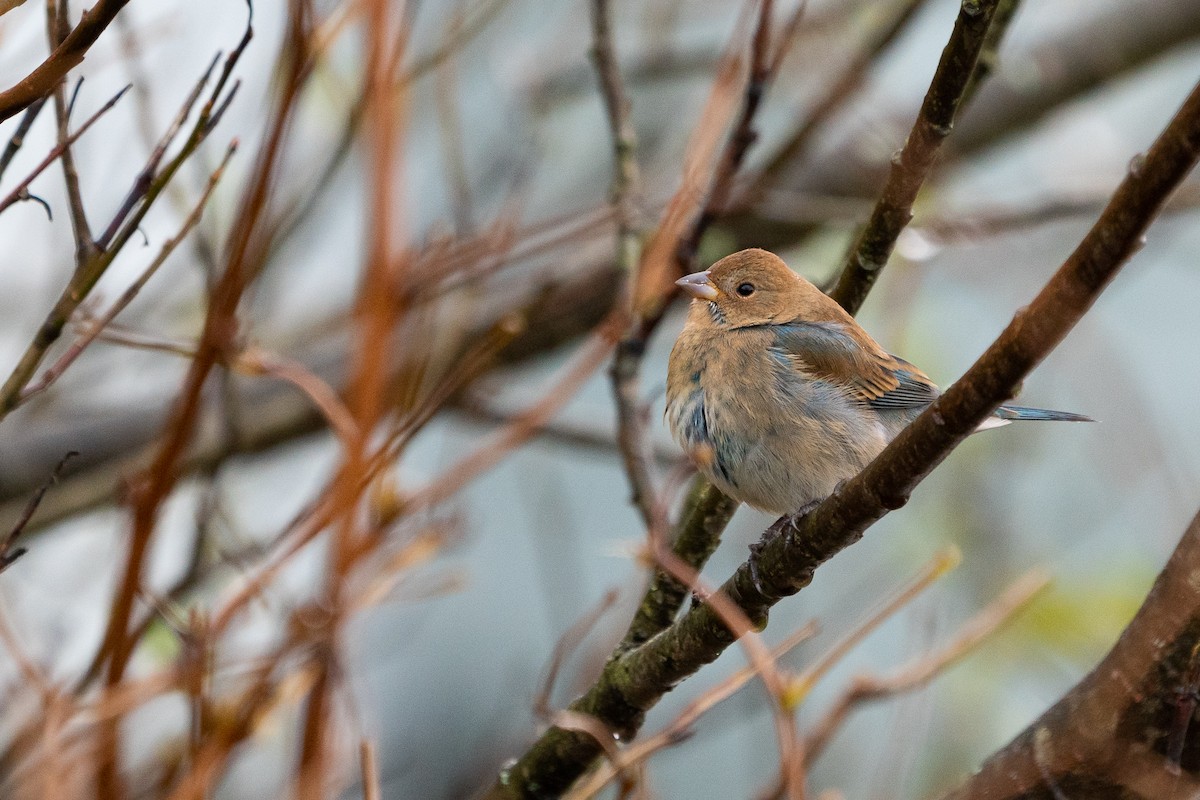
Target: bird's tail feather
(1008,413)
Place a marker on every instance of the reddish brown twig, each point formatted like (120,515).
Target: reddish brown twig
(369,769)
(151,490)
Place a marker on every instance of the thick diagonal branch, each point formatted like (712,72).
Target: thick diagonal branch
(1128,729)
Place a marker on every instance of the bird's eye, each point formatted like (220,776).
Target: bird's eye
(745,289)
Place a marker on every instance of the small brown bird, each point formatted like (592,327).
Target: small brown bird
(777,394)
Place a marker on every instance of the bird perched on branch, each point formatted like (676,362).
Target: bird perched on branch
(777,394)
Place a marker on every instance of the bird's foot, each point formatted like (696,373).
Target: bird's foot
(807,508)
(756,549)
(780,528)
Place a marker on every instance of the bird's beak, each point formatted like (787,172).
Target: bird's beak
(698,286)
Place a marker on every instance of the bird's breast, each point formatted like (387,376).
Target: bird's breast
(762,430)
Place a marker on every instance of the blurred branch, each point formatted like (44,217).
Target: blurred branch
(562,311)
(564,646)
(762,69)
(473,406)
(869,688)
(67,55)
(747,634)
(893,210)
(1067,67)
(8,5)
(791,550)
(840,90)
(938,567)
(151,487)
(1133,35)
(377,310)
(524,425)
(1127,729)
(369,769)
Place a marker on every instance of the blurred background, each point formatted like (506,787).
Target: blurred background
(500,190)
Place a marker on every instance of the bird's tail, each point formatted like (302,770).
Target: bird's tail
(1009,413)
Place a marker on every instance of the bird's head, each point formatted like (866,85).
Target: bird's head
(754,287)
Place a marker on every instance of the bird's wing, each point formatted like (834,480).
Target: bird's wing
(829,352)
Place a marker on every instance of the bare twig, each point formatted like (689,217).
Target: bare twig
(17,140)
(97,326)
(632,410)
(85,246)
(369,768)
(67,55)
(21,191)
(9,553)
(57,29)
(523,426)
(626,187)
(116,644)
(803,683)
(989,56)
(324,398)
(746,632)
(912,165)
(147,188)
(141,183)
(706,513)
